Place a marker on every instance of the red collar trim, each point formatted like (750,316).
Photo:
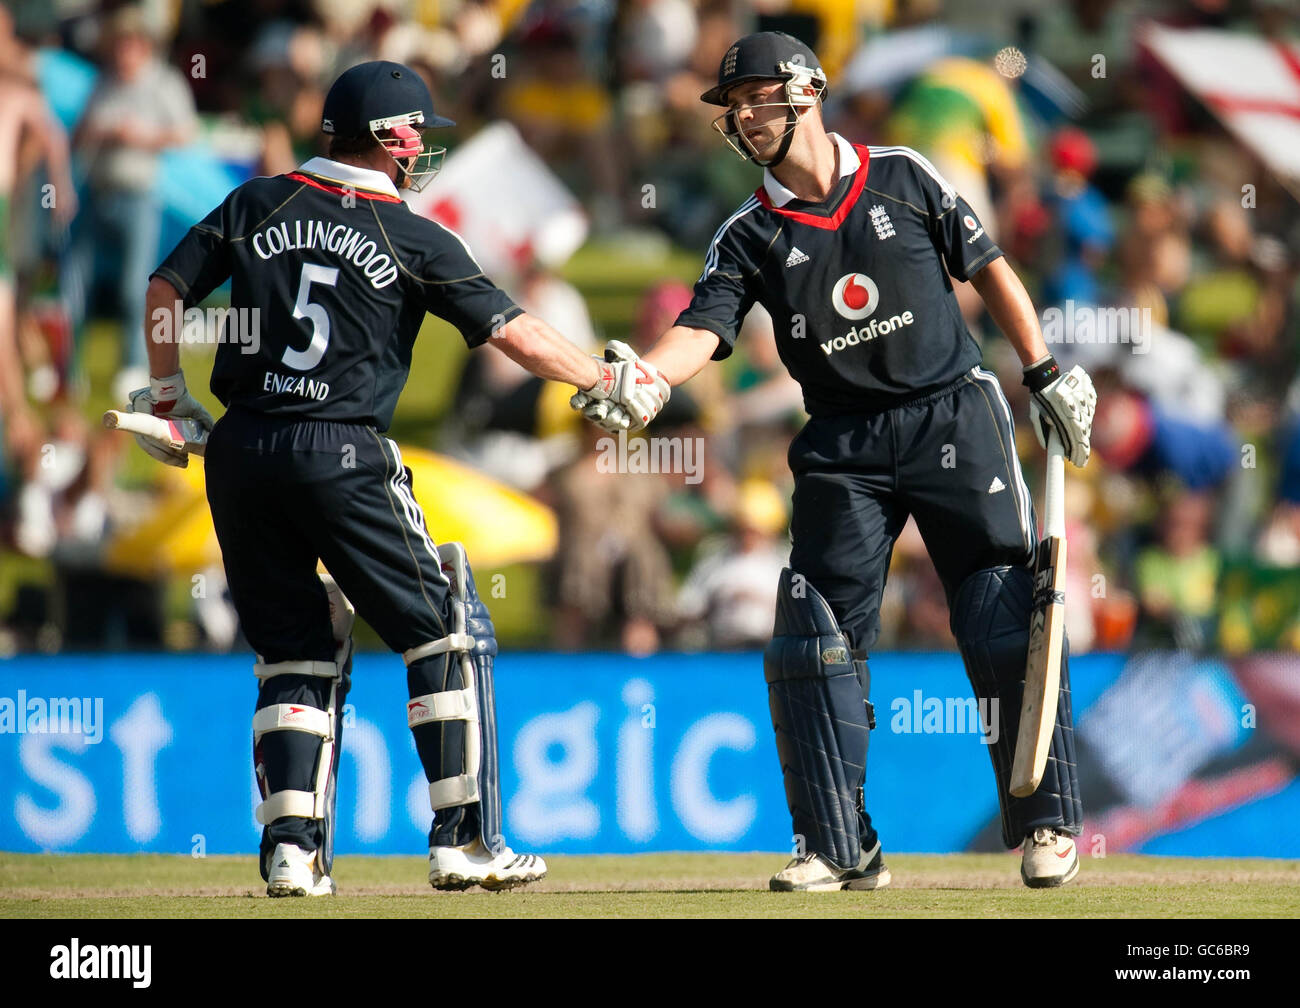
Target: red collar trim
(340,190)
(832,222)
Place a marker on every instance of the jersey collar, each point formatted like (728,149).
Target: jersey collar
(350,176)
(849,163)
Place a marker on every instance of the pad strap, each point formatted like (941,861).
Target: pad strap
(290,803)
(452,642)
(321,669)
(297,717)
(451,705)
(450,791)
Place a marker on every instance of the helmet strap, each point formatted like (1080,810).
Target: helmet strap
(783,146)
(791,121)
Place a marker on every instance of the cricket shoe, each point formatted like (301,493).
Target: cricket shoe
(813,873)
(1050,859)
(457,868)
(294,873)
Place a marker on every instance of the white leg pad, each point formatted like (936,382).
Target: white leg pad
(451,705)
(304,718)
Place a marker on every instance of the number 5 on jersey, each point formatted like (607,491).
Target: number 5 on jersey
(305,360)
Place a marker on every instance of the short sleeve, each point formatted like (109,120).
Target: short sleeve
(722,297)
(201,261)
(955,230)
(454,287)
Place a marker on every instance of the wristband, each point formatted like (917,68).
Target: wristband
(167,390)
(1042,373)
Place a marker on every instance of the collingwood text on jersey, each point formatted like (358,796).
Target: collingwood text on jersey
(348,243)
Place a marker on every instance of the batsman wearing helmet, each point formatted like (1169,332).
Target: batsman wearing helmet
(851,248)
(298,470)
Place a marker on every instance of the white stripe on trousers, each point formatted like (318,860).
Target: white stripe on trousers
(414,515)
(1018,487)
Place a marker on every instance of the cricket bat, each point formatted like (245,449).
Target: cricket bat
(179,435)
(1046,635)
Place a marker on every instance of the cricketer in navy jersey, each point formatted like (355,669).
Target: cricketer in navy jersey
(856,284)
(851,250)
(370,267)
(298,472)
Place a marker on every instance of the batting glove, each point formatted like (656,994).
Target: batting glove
(628,394)
(1064,404)
(168,397)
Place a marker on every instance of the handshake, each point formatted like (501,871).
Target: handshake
(628,394)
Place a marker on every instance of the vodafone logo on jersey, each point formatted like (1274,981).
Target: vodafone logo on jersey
(855,296)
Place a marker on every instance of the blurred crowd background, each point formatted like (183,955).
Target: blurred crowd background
(1161,251)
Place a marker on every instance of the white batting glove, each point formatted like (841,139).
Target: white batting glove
(168,397)
(602,412)
(1064,404)
(629,393)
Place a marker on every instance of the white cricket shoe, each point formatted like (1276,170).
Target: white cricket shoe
(1050,859)
(813,873)
(294,873)
(456,868)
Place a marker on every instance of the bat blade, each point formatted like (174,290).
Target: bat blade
(1046,637)
(180,435)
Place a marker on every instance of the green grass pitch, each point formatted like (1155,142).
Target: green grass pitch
(652,885)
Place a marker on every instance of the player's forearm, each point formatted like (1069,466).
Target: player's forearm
(1008,303)
(681,352)
(534,345)
(163,318)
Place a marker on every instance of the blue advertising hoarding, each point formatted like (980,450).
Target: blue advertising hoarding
(602,754)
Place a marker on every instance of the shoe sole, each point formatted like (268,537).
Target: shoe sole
(494,884)
(1050,881)
(279,891)
(459,883)
(452,882)
(876,880)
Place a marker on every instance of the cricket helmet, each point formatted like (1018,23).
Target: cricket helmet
(387,101)
(767,56)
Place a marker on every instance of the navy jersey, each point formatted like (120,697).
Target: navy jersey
(864,311)
(341,274)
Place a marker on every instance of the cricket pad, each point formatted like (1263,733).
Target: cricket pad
(990,619)
(817,698)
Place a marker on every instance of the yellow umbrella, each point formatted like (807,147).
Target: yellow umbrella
(497,524)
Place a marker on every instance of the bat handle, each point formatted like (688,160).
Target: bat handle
(1054,492)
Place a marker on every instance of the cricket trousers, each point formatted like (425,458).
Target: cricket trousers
(946,458)
(286,493)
